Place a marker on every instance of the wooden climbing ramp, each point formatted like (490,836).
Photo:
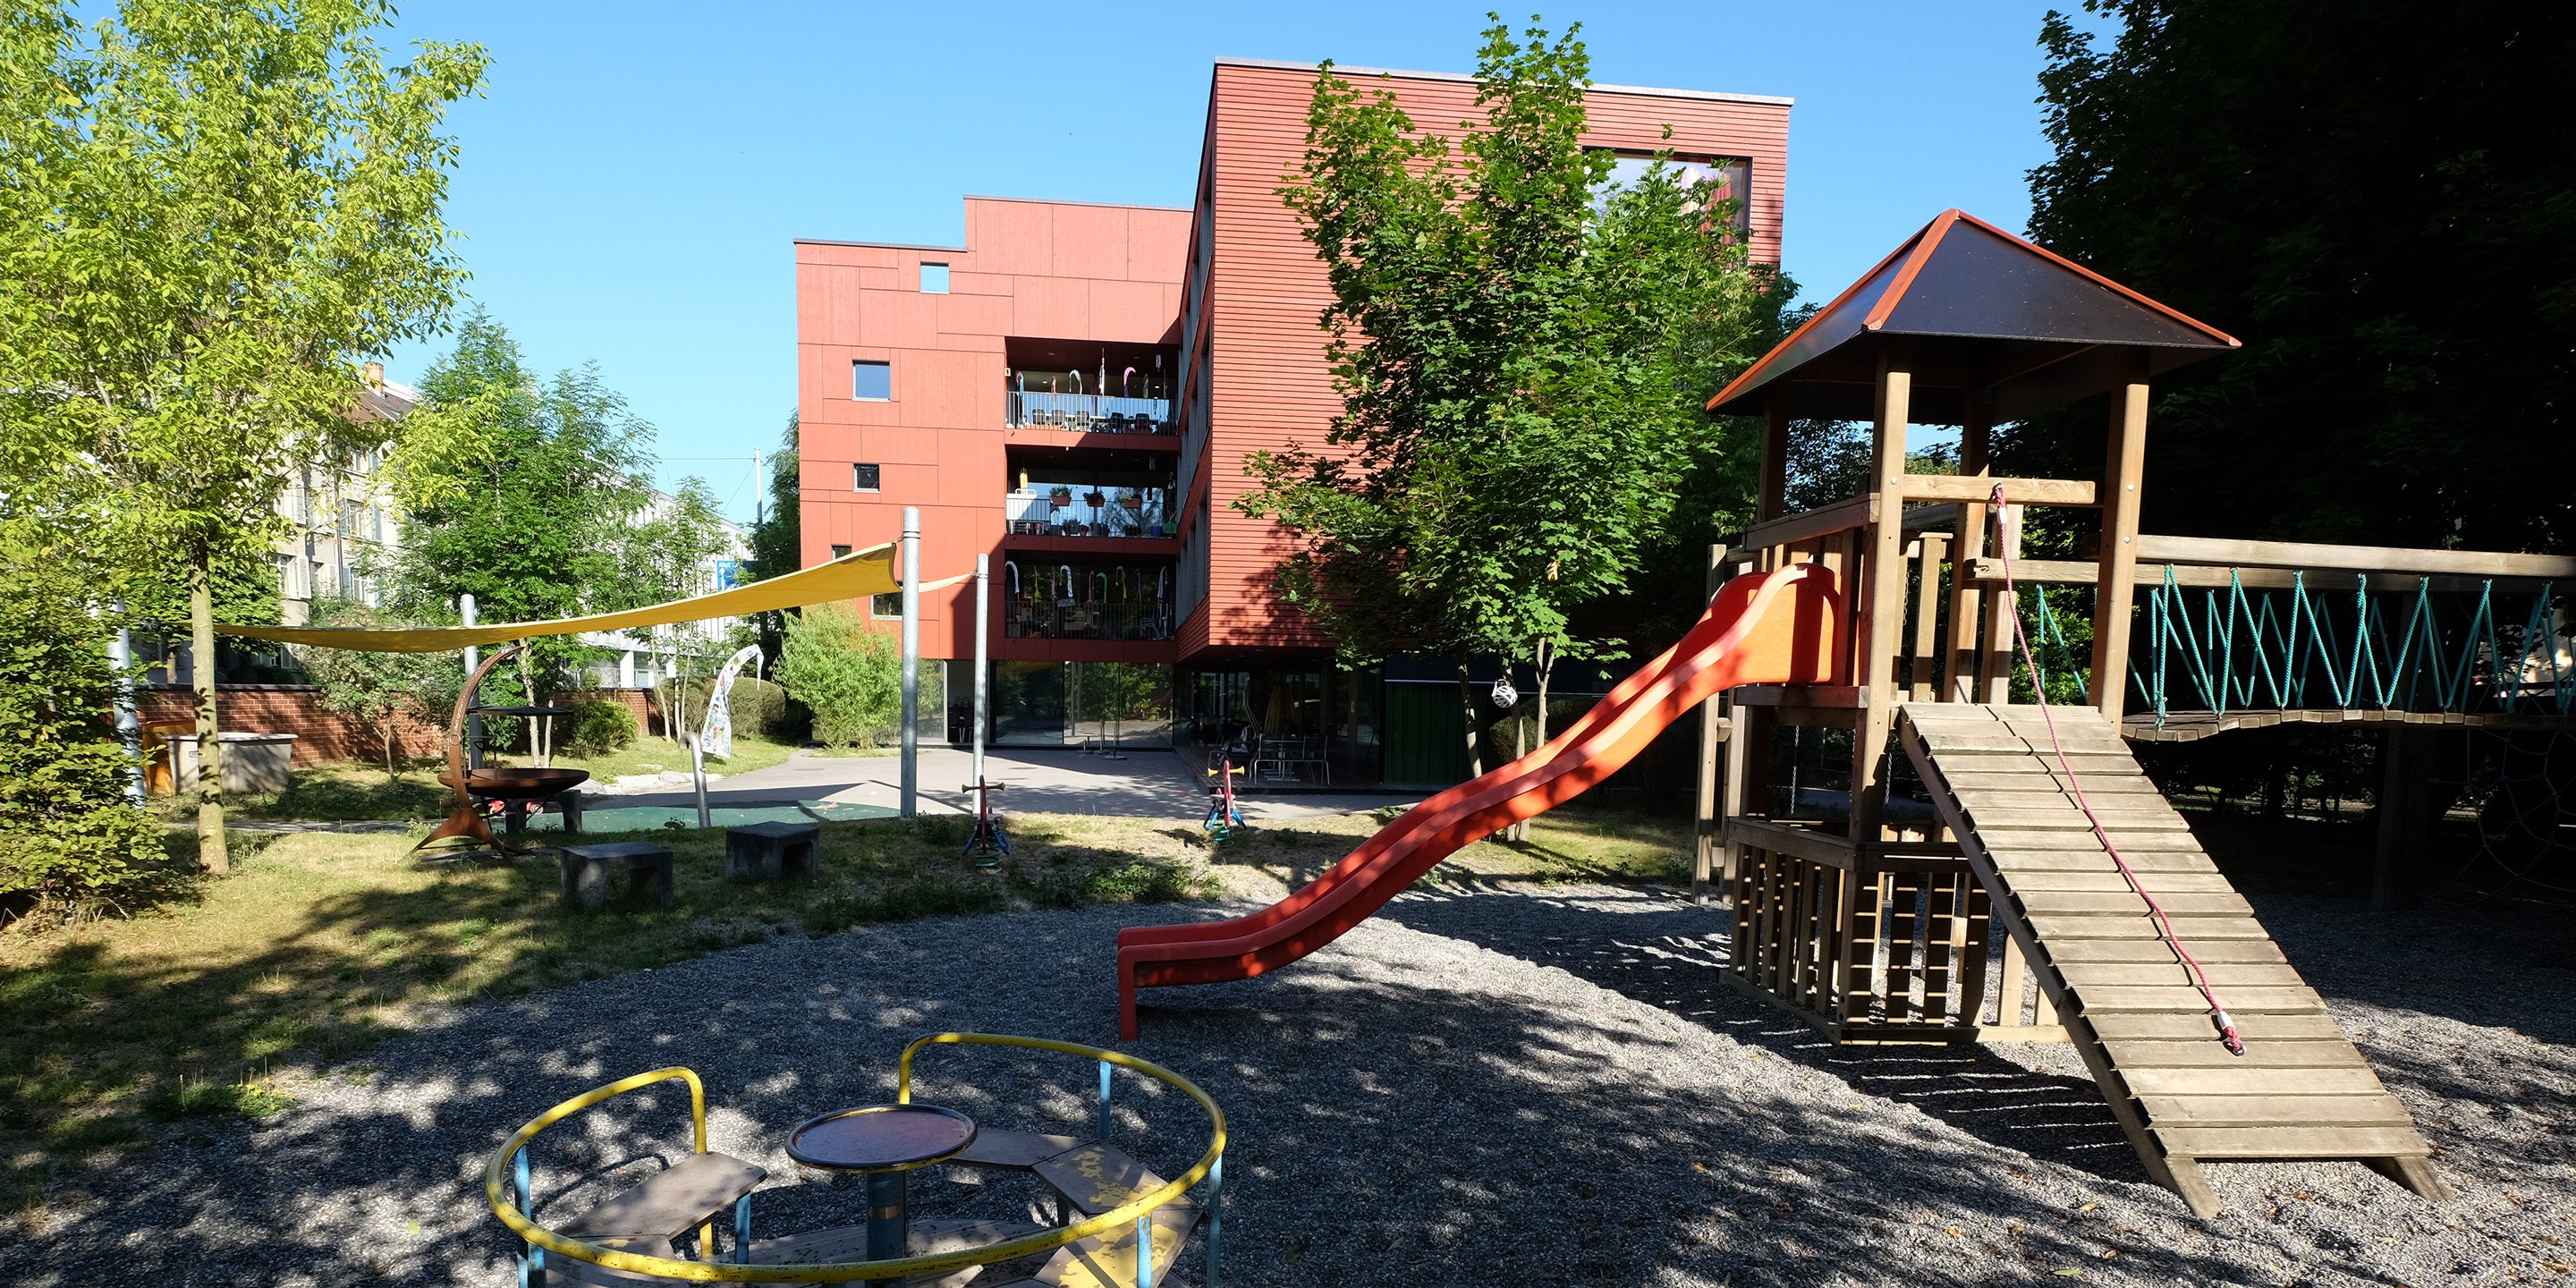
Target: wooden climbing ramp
(2128,1003)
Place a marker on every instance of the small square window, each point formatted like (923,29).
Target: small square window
(840,552)
(872,381)
(887,607)
(863,478)
(934,279)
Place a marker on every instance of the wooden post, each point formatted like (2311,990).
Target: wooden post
(1967,543)
(2401,816)
(2116,587)
(1771,495)
(2001,657)
(1883,607)
(1712,810)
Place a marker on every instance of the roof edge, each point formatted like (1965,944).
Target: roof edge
(1276,64)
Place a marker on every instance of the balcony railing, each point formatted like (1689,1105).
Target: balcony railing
(1073,512)
(1089,413)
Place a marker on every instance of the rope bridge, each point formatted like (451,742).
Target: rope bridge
(2233,647)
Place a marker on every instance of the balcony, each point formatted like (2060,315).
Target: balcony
(1086,512)
(1089,413)
(1073,601)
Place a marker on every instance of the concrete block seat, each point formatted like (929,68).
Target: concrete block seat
(768,851)
(587,869)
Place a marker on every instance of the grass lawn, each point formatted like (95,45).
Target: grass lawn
(320,944)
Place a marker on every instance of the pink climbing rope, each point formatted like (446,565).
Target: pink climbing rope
(2164,924)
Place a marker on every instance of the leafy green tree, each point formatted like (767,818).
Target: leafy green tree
(529,496)
(69,837)
(848,673)
(387,690)
(2367,194)
(1521,350)
(212,211)
(777,537)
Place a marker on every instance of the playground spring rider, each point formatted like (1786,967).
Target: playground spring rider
(1224,819)
(989,843)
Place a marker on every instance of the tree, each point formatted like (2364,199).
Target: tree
(1521,349)
(384,689)
(2368,196)
(212,212)
(849,674)
(777,536)
(69,836)
(529,496)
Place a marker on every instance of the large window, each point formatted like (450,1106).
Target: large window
(1731,179)
(872,381)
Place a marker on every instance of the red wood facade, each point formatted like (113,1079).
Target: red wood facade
(1231,286)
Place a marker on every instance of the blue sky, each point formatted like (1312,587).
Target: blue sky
(634,175)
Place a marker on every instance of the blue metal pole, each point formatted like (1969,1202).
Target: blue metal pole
(532,1262)
(1104,1102)
(1216,1215)
(1145,1251)
(886,1225)
(742,1230)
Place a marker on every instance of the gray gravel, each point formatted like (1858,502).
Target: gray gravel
(1478,1087)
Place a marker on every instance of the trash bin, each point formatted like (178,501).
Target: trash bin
(253,762)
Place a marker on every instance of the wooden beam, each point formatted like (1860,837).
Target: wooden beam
(2115,587)
(1807,525)
(2228,553)
(1704,840)
(2001,655)
(2070,572)
(2077,493)
(1882,616)
(1772,473)
(1967,543)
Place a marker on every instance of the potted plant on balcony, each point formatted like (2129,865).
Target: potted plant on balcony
(1060,496)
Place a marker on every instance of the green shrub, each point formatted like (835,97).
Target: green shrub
(70,841)
(849,674)
(600,727)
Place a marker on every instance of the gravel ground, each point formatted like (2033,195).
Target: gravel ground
(1480,1086)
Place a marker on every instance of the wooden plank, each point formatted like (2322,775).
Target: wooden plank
(2246,1000)
(1807,525)
(1000,1147)
(2222,975)
(2106,880)
(2077,493)
(1921,659)
(2356,1080)
(1882,594)
(1905,889)
(2069,572)
(2210,1053)
(2191,930)
(2168,1112)
(1109,1260)
(2176,1027)
(2123,477)
(2118,822)
(2143,862)
(2130,841)
(671,1202)
(2015,981)
(2126,903)
(2296,1142)
(1096,1178)
(2232,553)
(1940,927)
(2154,950)
(1861,956)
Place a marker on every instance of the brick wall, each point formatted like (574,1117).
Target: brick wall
(320,735)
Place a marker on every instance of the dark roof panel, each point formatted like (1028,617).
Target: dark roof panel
(2005,316)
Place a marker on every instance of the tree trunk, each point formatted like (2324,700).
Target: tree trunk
(1520,750)
(211,854)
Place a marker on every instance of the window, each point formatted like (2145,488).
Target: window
(872,381)
(1732,178)
(934,279)
(863,478)
(888,607)
(840,552)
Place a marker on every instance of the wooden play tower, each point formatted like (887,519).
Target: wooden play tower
(1999,913)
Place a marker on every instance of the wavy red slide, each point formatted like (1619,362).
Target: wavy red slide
(1777,628)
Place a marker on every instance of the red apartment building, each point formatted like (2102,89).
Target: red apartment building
(1074,391)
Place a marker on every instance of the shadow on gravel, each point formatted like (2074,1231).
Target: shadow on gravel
(1403,1111)
(1667,954)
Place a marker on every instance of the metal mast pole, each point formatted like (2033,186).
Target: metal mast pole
(911,662)
(983,627)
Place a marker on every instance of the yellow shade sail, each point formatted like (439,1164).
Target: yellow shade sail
(866,572)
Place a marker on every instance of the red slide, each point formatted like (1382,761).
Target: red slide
(1777,628)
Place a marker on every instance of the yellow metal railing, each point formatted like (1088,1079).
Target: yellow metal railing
(508,1163)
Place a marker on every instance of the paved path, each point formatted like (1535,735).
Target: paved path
(1147,784)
